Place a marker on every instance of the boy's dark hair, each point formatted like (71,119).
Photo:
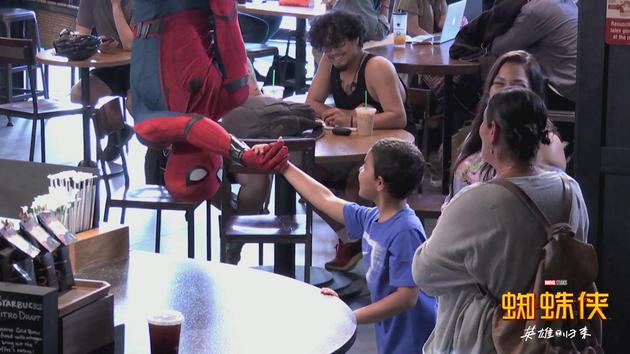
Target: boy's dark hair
(522,116)
(400,164)
(333,28)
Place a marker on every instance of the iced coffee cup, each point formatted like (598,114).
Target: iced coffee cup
(365,120)
(164,330)
(273,91)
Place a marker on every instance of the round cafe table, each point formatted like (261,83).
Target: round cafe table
(98,60)
(227,309)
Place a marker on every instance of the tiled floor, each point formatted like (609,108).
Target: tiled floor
(64,146)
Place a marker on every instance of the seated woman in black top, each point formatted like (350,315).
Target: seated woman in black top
(347,72)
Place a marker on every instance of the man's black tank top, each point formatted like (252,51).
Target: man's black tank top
(344,100)
(357,96)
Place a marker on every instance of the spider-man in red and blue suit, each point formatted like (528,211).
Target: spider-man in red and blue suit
(188,69)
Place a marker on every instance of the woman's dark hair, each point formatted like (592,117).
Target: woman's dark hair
(522,116)
(400,164)
(537,83)
(333,28)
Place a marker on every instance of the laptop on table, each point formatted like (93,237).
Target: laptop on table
(452,24)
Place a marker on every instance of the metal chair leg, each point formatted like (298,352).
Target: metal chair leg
(308,260)
(42,140)
(106,211)
(33,134)
(158,226)
(208,230)
(190,219)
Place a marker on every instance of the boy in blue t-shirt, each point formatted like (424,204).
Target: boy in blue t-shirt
(403,315)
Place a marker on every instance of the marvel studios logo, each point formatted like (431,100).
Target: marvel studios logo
(557,282)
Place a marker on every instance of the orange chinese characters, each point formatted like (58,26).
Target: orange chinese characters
(595,301)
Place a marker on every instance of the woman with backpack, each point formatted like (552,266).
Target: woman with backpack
(487,242)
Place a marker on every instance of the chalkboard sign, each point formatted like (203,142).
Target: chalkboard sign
(28,319)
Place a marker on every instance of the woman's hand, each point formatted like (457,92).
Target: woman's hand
(336,117)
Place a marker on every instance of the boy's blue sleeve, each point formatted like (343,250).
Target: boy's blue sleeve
(402,249)
(355,218)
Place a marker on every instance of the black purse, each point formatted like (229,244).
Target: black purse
(286,71)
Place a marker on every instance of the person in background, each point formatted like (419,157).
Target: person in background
(347,72)
(516,68)
(110,19)
(402,315)
(373,13)
(423,16)
(548,30)
(486,238)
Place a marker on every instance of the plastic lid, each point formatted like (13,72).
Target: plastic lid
(166,318)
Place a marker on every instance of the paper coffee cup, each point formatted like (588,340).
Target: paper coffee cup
(164,331)
(273,91)
(365,120)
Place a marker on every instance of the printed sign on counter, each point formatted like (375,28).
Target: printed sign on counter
(28,319)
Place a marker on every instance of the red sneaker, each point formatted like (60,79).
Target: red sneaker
(348,254)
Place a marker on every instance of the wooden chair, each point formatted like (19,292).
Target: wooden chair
(268,228)
(558,116)
(152,197)
(22,52)
(419,100)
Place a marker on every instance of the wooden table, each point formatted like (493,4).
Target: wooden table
(352,148)
(272,8)
(98,60)
(435,60)
(227,309)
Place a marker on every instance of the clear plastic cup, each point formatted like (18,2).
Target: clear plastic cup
(365,120)
(273,91)
(399,28)
(164,331)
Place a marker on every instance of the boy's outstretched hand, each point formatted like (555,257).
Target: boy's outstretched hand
(270,157)
(329,292)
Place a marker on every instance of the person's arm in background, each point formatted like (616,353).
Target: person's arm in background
(123,28)
(412,7)
(413,27)
(385,87)
(383,12)
(85,20)
(524,32)
(439,22)
(320,88)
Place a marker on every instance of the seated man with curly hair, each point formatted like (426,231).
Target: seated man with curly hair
(347,72)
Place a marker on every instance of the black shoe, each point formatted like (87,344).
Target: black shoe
(112,150)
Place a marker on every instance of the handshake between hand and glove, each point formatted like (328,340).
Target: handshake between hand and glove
(267,157)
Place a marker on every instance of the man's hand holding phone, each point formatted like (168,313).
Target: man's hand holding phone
(109,45)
